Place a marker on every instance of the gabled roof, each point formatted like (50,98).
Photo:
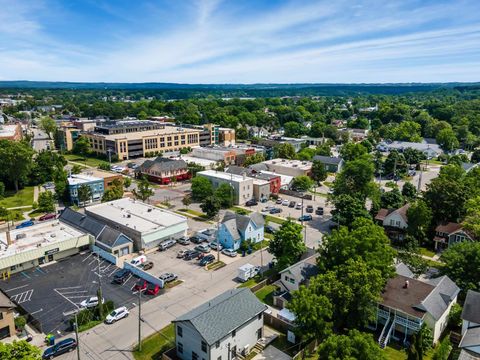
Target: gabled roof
(440,298)
(162,164)
(448,228)
(402,269)
(470,338)
(237,224)
(328,159)
(383,213)
(237,170)
(303,270)
(471,307)
(218,317)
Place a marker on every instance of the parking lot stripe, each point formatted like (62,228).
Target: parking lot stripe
(16,288)
(126,281)
(23,273)
(74,292)
(40,270)
(87,257)
(35,312)
(69,287)
(59,293)
(113,272)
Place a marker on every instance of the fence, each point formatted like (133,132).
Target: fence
(105,255)
(276,323)
(143,274)
(296,194)
(308,349)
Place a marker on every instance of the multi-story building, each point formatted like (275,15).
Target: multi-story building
(285,167)
(96,185)
(107,176)
(215,153)
(242,186)
(7,322)
(226,136)
(273,180)
(208,133)
(67,135)
(163,170)
(394,221)
(11,132)
(222,328)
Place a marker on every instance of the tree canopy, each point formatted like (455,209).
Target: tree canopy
(287,244)
(462,261)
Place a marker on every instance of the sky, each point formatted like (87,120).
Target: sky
(240,41)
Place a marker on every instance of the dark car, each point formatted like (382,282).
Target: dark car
(207,259)
(147,265)
(152,289)
(292,204)
(275,211)
(319,211)
(270,229)
(191,255)
(120,276)
(60,348)
(25,224)
(309,209)
(47,217)
(140,285)
(306,217)
(196,240)
(251,202)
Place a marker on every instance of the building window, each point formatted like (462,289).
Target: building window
(217,344)
(194,355)
(180,348)
(234,332)
(179,331)
(219,358)
(204,346)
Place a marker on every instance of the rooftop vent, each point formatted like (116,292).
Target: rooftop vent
(407,284)
(149,210)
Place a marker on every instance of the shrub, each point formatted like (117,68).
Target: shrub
(20,322)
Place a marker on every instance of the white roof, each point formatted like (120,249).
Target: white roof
(82,179)
(7,130)
(299,164)
(260,182)
(200,161)
(38,235)
(285,180)
(224,176)
(136,215)
(287,314)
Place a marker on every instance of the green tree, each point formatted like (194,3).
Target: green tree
(319,173)
(391,199)
(419,218)
(194,168)
(354,345)
(442,352)
(409,191)
(294,129)
(84,193)
(44,165)
(287,245)
(348,208)
(408,131)
(324,149)
(302,183)
(82,147)
(127,182)
(48,125)
(455,316)
(2,190)
(144,190)
(447,140)
(187,201)
(356,176)
(15,161)
(254,159)
(76,169)
(114,192)
(60,179)
(224,194)
(201,188)
(462,261)
(353,151)
(395,164)
(413,156)
(210,206)
(46,202)
(472,218)
(19,350)
(285,151)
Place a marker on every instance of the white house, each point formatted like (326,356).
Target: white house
(394,221)
(221,329)
(470,343)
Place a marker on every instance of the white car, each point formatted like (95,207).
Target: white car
(213,245)
(90,302)
(182,253)
(229,252)
(285,202)
(267,208)
(299,206)
(117,314)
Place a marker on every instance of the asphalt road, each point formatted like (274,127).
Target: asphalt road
(40,140)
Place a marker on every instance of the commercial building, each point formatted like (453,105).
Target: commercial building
(96,185)
(226,136)
(145,224)
(12,132)
(242,185)
(428,149)
(67,135)
(223,328)
(108,177)
(7,321)
(21,249)
(261,189)
(163,170)
(215,153)
(285,167)
(273,180)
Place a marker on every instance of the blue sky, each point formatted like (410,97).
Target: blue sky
(240,41)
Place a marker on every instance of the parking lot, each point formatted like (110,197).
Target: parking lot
(50,294)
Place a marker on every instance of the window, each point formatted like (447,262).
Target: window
(234,332)
(179,331)
(259,317)
(204,346)
(217,344)
(219,358)
(180,348)
(194,355)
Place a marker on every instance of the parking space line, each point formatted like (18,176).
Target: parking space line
(35,312)
(59,293)
(22,297)
(69,287)
(23,273)
(74,292)
(113,272)
(87,257)
(19,287)
(40,270)
(97,274)
(126,281)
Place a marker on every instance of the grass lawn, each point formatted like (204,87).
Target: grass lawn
(265,294)
(242,210)
(23,197)
(91,161)
(89,325)
(282,344)
(394,352)
(155,345)
(216,265)
(275,219)
(426,252)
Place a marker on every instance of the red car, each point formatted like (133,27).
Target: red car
(152,289)
(140,285)
(47,217)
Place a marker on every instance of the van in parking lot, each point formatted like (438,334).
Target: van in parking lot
(166,244)
(138,260)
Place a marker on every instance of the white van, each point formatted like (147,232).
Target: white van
(138,260)
(166,244)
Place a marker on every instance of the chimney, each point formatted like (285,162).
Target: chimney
(9,238)
(407,283)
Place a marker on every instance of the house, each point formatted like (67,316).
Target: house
(394,221)
(470,343)
(222,328)
(106,238)
(449,234)
(163,170)
(430,150)
(408,303)
(259,132)
(292,277)
(236,228)
(96,185)
(7,324)
(332,164)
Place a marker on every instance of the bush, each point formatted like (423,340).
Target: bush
(2,190)
(104,166)
(20,322)
(455,316)
(443,350)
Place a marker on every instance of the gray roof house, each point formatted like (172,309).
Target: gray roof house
(221,328)
(236,228)
(470,343)
(408,303)
(106,238)
(332,164)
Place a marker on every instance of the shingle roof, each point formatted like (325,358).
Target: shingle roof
(236,223)
(327,159)
(220,316)
(440,298)
(471,307)
(304,269)
(402,269)
(382,214)
(448,228)
(470,338)
(237,170)
(162,164)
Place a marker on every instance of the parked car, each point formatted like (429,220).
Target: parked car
(309,209)
(139,260)
(298,206)
(207,259)
(120,276)
(196,240)
(140,285)
(292,204)
(251,202)
(168,277)
(191,254)
(270,229)
(182,253)
(319,210)
(47,217)
(267,208)
(279,201)
(25,224)
(204,248)
(48,186)
(147,265)
(152,289)
(275,211)
(213,245)
(164,245)
(117,314)
(229,252)
(263,200)
(90,302)
(184,240)
(285,202)
(306,217)
(62,347)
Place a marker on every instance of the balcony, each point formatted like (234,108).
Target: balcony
(414,325)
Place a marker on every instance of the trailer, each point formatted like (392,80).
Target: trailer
(247,271)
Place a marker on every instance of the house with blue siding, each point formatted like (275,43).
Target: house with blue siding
(96,187)
(236,228)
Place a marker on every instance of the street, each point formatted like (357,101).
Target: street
(40,140)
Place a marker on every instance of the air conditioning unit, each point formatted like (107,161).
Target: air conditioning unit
(246,350)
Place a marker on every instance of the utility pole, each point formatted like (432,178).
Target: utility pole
(76,336)
(139,320)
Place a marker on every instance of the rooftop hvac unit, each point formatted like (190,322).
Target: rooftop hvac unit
(129,216)
(53,235)
(20,236)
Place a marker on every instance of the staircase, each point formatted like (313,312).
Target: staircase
(386,333)
(258,348)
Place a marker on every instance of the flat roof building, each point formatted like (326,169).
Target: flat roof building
(242,185)
(286,167)
(145,224)
(11,132)
(21,249)
(96,184)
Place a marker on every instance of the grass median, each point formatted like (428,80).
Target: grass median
(156,344)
